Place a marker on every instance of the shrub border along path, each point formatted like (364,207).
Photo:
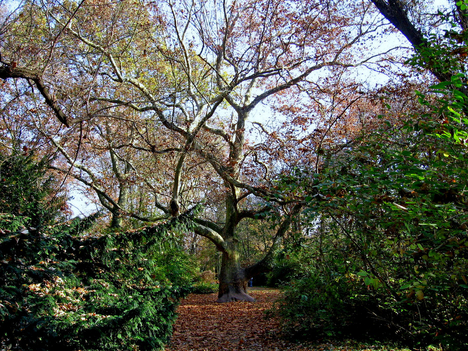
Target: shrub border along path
(205,325)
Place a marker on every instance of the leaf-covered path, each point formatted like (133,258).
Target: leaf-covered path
(204,324)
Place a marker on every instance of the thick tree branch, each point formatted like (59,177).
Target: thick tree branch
(212,235)
(255,214)
(208,224)
(218,132)
(394,11)
(11,71)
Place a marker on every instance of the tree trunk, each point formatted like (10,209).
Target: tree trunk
(232,280)
(117,219)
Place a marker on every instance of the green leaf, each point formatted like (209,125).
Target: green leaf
(457,114)
(441,85)
(459,95)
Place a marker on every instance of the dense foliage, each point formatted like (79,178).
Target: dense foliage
(27,192)
(60,290)
(388,256)
(389,253)
(158,107)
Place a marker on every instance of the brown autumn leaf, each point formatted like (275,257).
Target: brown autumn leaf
(204,324)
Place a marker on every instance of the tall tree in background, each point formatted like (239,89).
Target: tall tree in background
(193,102)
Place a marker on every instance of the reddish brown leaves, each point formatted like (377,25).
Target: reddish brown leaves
(204,324)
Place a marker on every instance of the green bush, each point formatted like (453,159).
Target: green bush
(390,251)
(286,267)
(28,192)
(93,295)
(390,248)
(117,291)
(204,283)
(389,256)
(204,288)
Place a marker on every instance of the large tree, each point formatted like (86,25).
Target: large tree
(194,102)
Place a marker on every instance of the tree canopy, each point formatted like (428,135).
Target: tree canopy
(302,114)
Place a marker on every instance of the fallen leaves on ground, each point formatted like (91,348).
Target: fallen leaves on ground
(205,325)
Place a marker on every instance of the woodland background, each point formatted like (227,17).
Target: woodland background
(315,146)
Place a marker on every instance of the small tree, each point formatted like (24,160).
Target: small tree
(27,191)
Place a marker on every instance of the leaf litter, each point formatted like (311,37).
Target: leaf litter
(204,325)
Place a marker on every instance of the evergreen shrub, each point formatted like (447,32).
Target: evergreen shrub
(59,290)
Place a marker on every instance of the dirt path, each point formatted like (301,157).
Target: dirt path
(204,324)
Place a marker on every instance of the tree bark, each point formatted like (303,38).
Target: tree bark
(232,279)
(394,11)
(117,218)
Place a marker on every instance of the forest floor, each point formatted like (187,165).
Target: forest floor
(205,325)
